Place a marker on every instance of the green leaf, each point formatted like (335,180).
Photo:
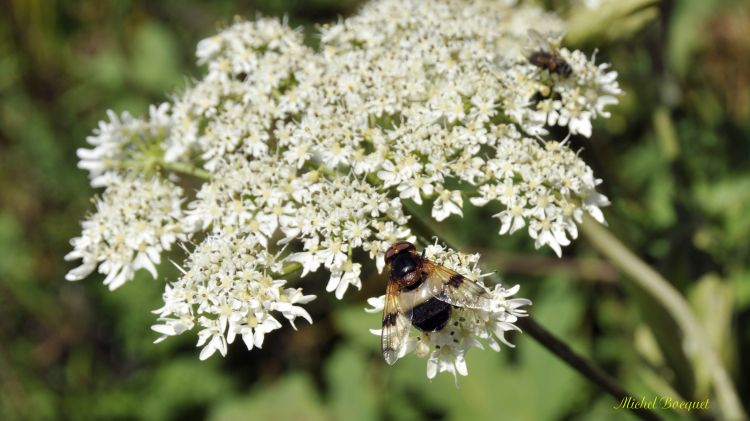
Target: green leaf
(15,261)
(355,324)
(711,299)
(646,168)
(740,280)
(185,383)
(291,398)
(665,133)
(612,21)
(686,32)
(351,395)
(669,338)
(155,61)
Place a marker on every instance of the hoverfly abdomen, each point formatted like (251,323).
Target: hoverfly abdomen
(431,316)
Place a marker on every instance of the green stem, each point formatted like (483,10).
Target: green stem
(289,269)
(151,164)
(185,168)
(666,294)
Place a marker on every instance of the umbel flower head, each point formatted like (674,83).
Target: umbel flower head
(305,155)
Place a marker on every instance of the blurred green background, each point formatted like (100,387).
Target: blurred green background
(674,159)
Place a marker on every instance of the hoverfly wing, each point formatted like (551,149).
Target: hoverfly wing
(395,325)
(538,40)
(455,289)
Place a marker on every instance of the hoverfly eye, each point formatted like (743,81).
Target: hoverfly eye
(397,248)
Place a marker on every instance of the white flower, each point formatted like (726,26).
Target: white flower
(333,253)
(211,338)
(347,275)
(414,189)
(448,202)
(512,219)
(287,306)
(253,328)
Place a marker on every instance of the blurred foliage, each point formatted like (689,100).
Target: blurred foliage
(673,157)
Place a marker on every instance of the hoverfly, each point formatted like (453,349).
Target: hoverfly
(547,57)
(422,293)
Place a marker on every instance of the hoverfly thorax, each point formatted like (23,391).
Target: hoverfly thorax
(403,263)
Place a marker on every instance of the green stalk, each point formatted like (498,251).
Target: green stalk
(185,168)
(289,269)
(150,164)
(673,302)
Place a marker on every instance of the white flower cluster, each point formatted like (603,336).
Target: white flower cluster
(536,97)
(330,217)
(227,289)
(121,140)
(556,188)
(251,92)
(438,92)
(135,220)
(467,328)
(307,154)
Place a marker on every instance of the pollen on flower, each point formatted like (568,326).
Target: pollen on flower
(303,159)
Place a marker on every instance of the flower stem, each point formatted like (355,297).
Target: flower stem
(553,344)
(185,168)
(580,364)
(151,164)
(673,302)
(289,269)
